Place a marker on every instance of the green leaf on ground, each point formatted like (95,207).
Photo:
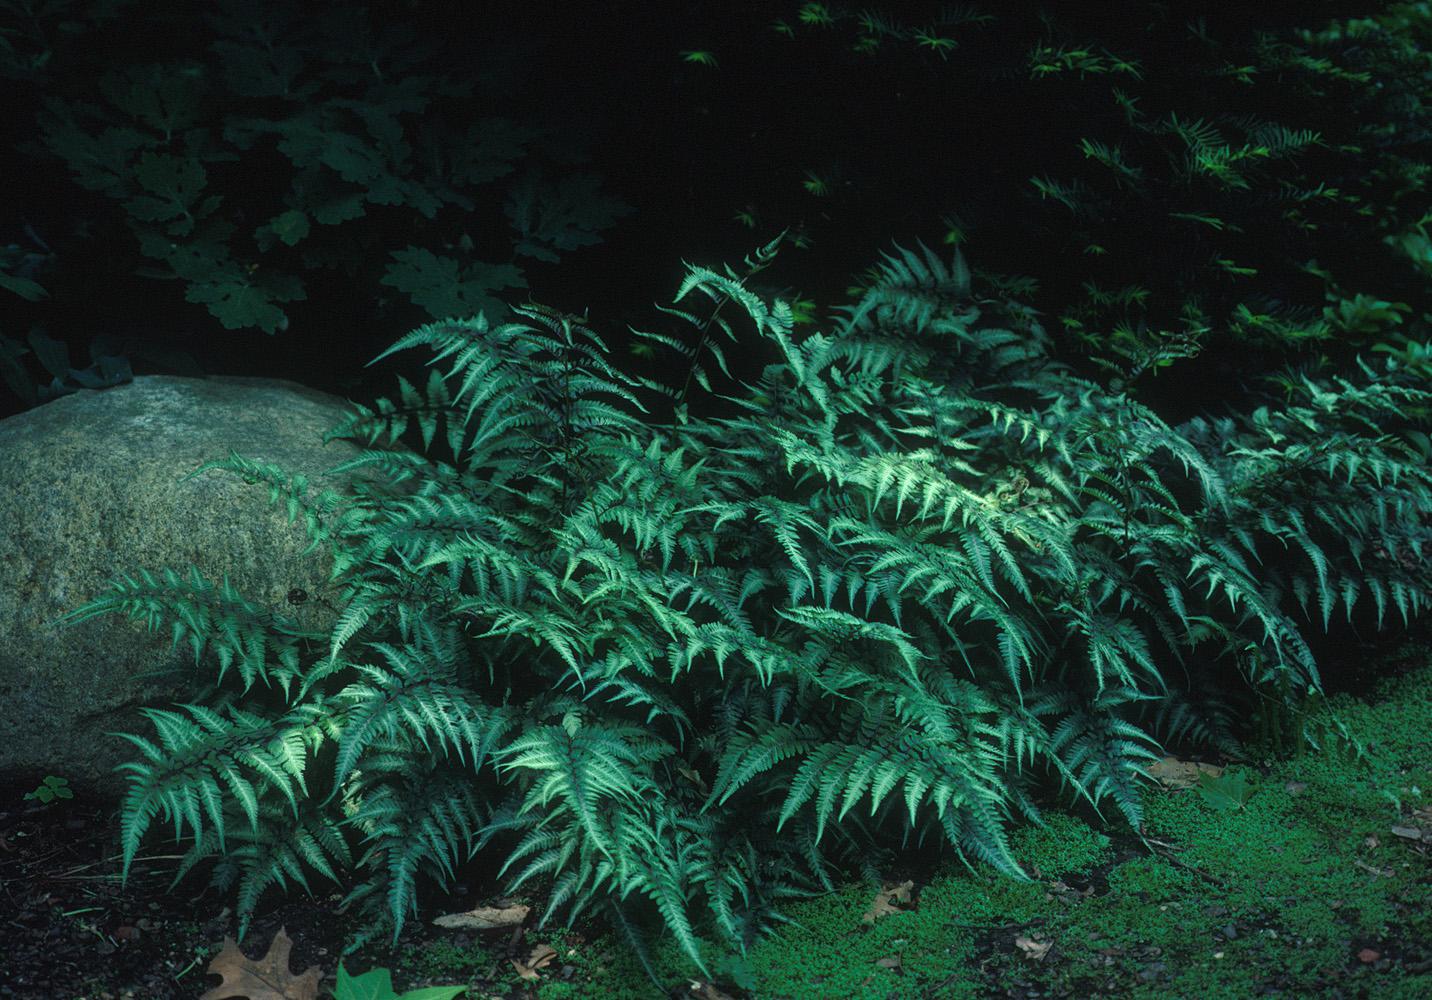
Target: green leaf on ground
(1230,791)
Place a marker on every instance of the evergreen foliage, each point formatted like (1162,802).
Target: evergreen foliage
(925,572)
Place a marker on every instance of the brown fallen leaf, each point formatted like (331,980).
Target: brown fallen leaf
(267,978)
(891,962)
(485,918)
(692,776)
(1033,950)
(885,901)
(1174,773)
(1407,832)
(705,991)
(1368,955)
(1063,890)
(541,957)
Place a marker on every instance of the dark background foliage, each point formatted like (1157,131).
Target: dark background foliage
(850,144)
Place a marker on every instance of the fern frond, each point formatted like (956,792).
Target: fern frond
(216,618)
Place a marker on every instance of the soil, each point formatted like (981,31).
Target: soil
(72,932)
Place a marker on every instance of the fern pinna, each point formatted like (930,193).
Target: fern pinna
(921,570)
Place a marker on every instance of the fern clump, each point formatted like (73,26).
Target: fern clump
(920,570)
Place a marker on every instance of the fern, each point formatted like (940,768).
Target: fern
(216,618)
(925,576)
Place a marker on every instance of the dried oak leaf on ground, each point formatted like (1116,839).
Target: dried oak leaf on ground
(1420,827)
(541,957)
(1032,949)
(1173,773)
(886,899)
(267,978)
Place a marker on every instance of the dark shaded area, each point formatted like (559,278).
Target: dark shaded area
(903,138)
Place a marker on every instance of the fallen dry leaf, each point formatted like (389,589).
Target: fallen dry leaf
(1379,872)
(485,918)
(1407,832)
(886,899)
(541,957)
(1064,890)
(267,978)
(891,962)
(1033,950)
(705,991)
(1174,773)
(692,776)
(1368,955)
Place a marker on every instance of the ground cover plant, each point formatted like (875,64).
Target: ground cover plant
(694,670)
(1316,887)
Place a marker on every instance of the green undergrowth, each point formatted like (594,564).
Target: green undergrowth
(1291,893)
(688,671)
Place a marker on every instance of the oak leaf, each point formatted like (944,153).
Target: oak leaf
(1171,772)
(1033,950)
(267,978)
(886,899)
(541,956)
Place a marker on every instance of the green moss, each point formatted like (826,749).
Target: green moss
(1065,845)
(1280,894)
(444,961)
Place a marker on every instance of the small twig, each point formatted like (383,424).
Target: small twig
(116,857)
(1167,855)
(1380,873)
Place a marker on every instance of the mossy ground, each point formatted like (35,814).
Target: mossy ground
(1303,891)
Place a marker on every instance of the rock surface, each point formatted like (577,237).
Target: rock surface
(89,489)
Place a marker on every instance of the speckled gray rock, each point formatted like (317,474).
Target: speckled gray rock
(89,488)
